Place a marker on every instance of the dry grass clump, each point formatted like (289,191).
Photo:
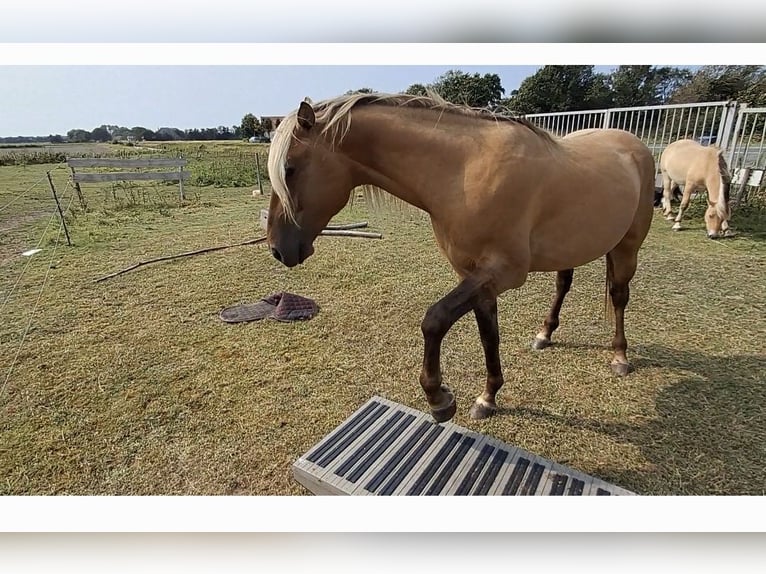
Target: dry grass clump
(134,386)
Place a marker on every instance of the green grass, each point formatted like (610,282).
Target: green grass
(134,386)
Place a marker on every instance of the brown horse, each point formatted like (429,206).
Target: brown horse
(697,167)
(505,198)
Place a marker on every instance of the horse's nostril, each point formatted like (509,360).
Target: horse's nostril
(277,255)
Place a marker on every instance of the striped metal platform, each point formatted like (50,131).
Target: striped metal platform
(386,448)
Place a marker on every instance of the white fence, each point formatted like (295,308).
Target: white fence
(736,128)
(748,148)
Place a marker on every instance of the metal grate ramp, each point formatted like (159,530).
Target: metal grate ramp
(386,448)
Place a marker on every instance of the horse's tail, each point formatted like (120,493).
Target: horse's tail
(722,205)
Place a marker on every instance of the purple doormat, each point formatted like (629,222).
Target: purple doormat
(281,306)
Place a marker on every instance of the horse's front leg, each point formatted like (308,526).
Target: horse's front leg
(667,194)
(688,190)
(486,319)
(437,322)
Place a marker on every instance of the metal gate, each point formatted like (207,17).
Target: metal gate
(657,126)
(736,128)
(747,155)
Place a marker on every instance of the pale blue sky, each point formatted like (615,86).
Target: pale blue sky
(42,100)
(38,100)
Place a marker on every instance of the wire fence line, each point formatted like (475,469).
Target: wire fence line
(22,194)
(42,286)
(18,279)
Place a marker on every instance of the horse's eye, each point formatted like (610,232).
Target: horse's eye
(289,171)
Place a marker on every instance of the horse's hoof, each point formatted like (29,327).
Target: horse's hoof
(669,217)
(620,369)
(443,414)
(676,227)
(729,233)
(480,410)
(538,344)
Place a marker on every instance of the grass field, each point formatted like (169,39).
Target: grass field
(134,386)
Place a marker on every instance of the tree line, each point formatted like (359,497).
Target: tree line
(250,127)
(550,89)
(572,88)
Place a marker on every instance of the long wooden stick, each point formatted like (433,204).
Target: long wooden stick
(344,233)
(347,225)
(187,254)
(337,232)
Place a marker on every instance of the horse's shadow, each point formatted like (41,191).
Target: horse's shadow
(709,436)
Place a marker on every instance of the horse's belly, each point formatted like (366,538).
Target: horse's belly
(565,246)
(678,175)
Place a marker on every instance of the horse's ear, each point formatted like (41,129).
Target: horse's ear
(306,117)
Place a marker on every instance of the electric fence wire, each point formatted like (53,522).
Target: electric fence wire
(42,237)
(37,303)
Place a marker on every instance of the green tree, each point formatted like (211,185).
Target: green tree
(472,90)
(416,90)
(267,124)
(718,83)
(560,89)
(360,91)
(78,136)
(141,133)
(101,134)
(755,93)
(250,126)
(645,85)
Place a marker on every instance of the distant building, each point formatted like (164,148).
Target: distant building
(275,121)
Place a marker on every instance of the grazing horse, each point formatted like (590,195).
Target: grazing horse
(505,198)
(697,167)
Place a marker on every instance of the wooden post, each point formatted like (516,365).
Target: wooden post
(258,172)
(79,191)
(745,175)
(61,213)
(181,180)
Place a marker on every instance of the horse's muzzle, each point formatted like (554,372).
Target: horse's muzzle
(292,257)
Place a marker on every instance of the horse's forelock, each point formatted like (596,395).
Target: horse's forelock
(278,149)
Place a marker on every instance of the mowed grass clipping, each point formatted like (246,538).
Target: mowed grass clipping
(135,386)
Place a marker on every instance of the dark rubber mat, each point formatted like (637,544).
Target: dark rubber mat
(280,306)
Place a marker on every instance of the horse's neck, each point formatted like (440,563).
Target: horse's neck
(400,152)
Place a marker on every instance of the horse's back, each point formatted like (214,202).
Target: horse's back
(605,186)
(686,159)
(619,149)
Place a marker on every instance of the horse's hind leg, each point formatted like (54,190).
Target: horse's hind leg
(551,323)
(485,311)
(620,268)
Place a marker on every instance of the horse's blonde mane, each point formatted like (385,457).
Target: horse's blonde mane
(333,118)
(723,168)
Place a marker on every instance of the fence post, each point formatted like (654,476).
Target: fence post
(607,120)
(61,213)
(727,121)
(730,153)
(745,174)
(181,179)
(78,190)
(258,172)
